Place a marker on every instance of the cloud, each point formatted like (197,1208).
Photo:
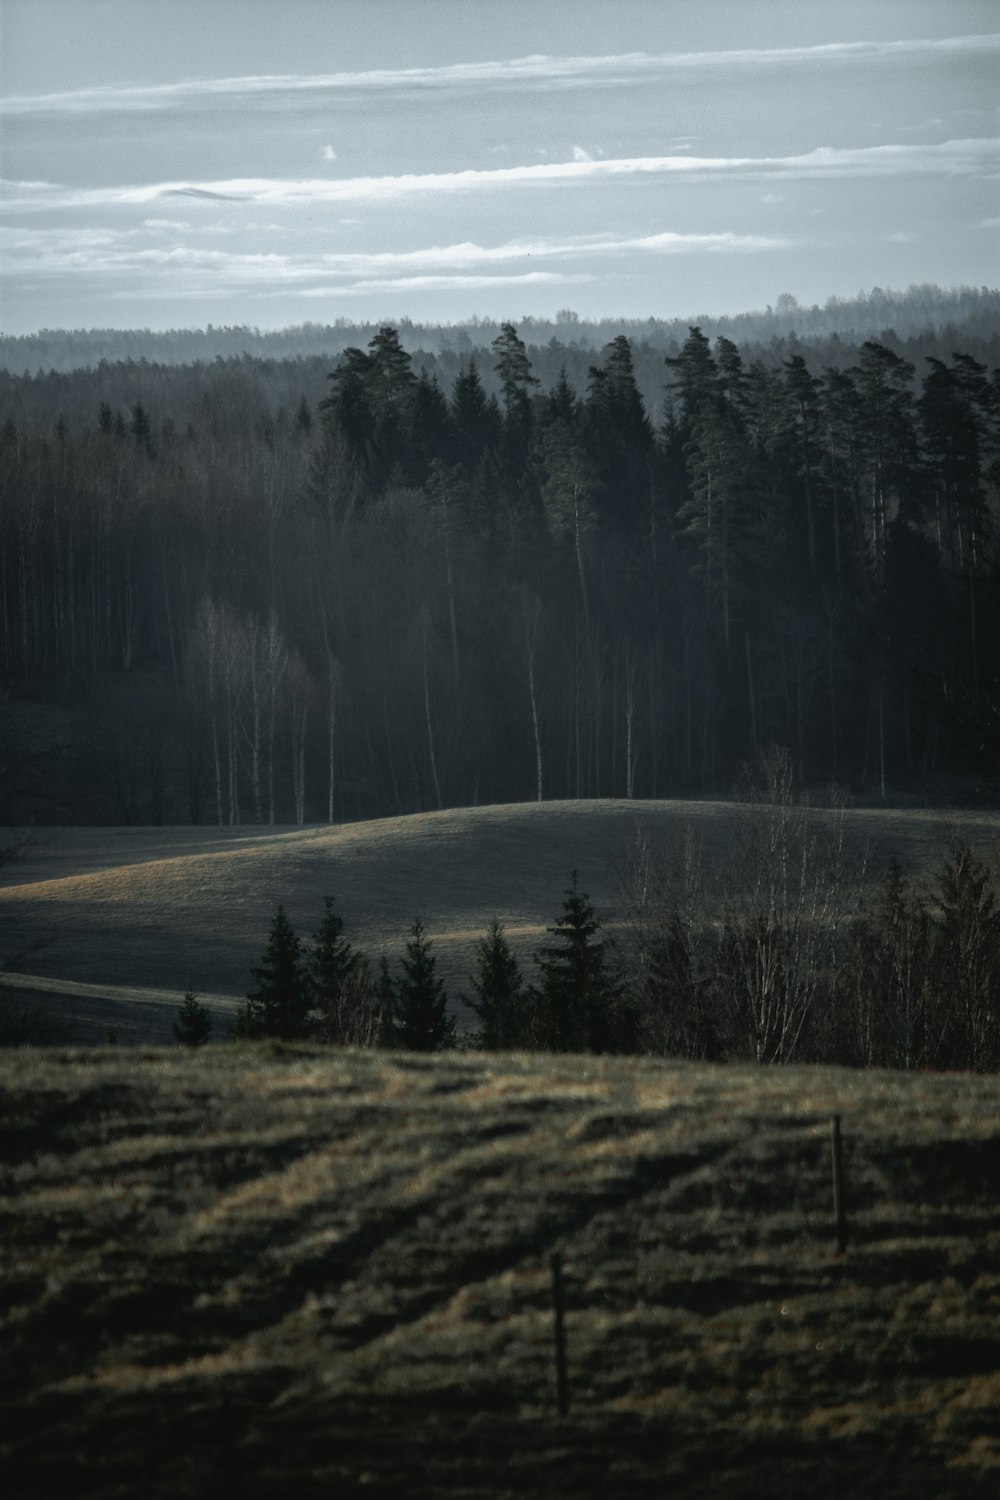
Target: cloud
(580,155)
(950,158)
(455,283)
(122,264)
(192,190)
(328,153)
(525,72)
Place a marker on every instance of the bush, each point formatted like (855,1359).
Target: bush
(194,1022)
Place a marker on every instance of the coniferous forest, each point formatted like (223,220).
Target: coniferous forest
(287,590)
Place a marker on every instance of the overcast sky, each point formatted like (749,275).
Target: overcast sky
(172,163)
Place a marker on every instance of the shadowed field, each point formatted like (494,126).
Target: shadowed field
(144,914)
(297,1272)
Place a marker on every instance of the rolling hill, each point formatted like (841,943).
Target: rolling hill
(111,926)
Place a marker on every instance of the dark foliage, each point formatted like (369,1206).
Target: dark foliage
(582,1007)
(193,1026)
(258,590)
(279,1006)
(503,1003)
(420,1004)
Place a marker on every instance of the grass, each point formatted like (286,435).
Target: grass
(141,915)
(306,1272)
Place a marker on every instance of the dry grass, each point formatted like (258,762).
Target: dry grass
(298,1272)
(134,912)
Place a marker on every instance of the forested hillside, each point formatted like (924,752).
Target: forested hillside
(307,589)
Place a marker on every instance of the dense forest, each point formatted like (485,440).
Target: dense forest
(263,589)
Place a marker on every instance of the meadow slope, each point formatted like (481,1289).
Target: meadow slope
(304,1272)
(113,925)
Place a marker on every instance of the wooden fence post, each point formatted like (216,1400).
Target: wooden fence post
(559,1329)
(838,1183)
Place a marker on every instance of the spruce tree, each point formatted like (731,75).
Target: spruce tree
(502,1004)
(194,1022)
(279,1007)
(420,1001)
(580,999)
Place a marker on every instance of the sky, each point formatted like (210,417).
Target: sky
(175,163)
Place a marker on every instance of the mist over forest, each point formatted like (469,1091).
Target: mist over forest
(347,572)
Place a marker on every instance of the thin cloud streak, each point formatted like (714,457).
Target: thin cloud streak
(951,158)
(101,252)
(452,283)
(541,71)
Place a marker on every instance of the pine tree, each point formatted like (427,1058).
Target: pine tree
(421,1004)
(279,1007)
(194,1022)
(697,374)
(580,1000)
(502,1005)
(514,370)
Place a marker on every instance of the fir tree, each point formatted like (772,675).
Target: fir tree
(502,1004)
(194,1022)
(421,1019)
(581,1001)
(279,1007)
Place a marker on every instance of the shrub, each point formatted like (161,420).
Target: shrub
(194,1022)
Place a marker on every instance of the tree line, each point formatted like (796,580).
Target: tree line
(781,960)
(406,596)
(952,313)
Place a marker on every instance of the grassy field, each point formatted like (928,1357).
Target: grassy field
(113,925)
(304,1273)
